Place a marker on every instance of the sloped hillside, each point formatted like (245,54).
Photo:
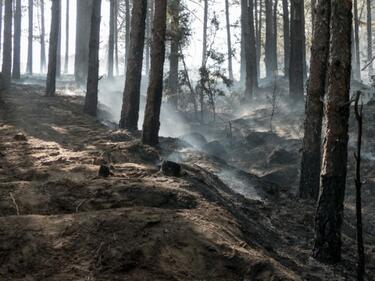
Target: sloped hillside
(60,220)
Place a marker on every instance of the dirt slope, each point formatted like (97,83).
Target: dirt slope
(60,221)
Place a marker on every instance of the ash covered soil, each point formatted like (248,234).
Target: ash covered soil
(232,214)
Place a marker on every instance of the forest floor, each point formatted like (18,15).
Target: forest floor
(232,214)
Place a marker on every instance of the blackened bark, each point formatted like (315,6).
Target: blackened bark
(42,38)
(111,39)
(130,105)
(52,54)
(229,41)
(7,47)
(151,122)
(329,214)
(91,99)
(29,66)
(84,10)
(286,31)
(358,190)
(174,54)
(296,90)
(66,63)
(311,154)
(17,42)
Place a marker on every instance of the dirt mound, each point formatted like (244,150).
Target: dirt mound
(60,221)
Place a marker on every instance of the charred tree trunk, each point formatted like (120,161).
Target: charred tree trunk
(369,38)
(42,39)
(296,91)
(91,99)
(204,46)
(52,54)
(229,41)
(358,190)
(311,154)
(7,47)
(148,37)
(58,60)
(29,66)
(286,29)
(174,55)
(130,105)
(111,39)
(357,68)
(329,214)
(127,32)
(17,42)
(247,30)
(151,122)
(84,10)
(66,63)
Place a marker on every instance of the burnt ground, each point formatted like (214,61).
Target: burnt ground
(229,216)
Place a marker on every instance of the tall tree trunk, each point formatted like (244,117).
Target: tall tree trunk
(17,42)
(259,36)
(205,22)
(84,10)
(174,54)
(369,38)
(252,45)
(111,39)
(42,39)
(247,30)
(59,43)
(116,38)
(130,105)
(29,66)
(311,154)
(7,47)
(66,64)
(329,214)
(151,122)
(1,21)
(91,99)
(269,40)
(229,41)
(286,28)
(357,67)
(274,40)
(52,54)
(127,32)
(148,36)
(296,91)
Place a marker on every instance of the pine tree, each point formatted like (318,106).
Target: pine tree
(329,214)
(52,54)
(151,122)
(91,100)
(131,97)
